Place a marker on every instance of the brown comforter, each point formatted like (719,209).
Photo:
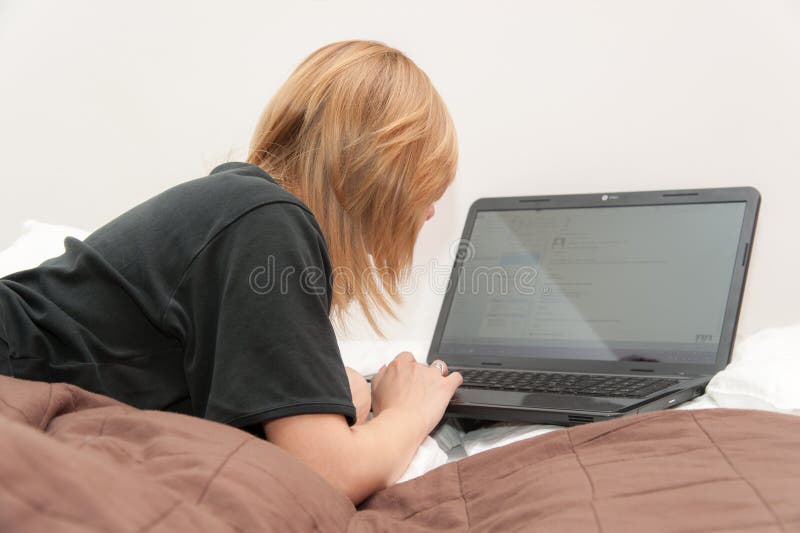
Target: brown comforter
(74,461)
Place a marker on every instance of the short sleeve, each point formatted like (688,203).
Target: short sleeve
(254,307)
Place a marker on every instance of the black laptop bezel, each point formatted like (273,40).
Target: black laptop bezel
(749,195)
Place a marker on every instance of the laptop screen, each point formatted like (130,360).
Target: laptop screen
(632,283)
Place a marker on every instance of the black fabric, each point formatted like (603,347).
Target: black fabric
(5,361)
(210,299)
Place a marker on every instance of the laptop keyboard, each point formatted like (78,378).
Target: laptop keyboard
(557,383)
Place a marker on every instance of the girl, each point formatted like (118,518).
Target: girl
(215,298)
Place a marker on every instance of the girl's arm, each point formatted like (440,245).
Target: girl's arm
(358,460)
(408,401)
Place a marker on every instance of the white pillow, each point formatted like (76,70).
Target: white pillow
(38,242)
(763,373)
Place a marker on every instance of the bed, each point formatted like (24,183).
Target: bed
(728,461)
(77,462)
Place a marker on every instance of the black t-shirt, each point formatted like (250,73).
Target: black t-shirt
(210,299)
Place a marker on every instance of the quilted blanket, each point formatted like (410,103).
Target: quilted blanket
(74,461)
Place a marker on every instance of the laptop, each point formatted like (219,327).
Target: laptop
(579,308)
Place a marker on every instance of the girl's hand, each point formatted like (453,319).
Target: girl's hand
(416,389)
(361,393)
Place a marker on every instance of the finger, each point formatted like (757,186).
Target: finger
(455,379)
(443,370)
(405,356)
(378,375)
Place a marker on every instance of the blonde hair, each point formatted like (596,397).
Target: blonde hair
(359,133)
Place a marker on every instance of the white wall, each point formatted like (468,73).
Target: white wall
(103,104)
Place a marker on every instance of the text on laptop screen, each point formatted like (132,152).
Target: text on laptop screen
(638,283)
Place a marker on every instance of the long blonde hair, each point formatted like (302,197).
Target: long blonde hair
(359,133)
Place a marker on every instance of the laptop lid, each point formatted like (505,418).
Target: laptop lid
(638,282)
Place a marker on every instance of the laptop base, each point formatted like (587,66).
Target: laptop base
(463,405)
